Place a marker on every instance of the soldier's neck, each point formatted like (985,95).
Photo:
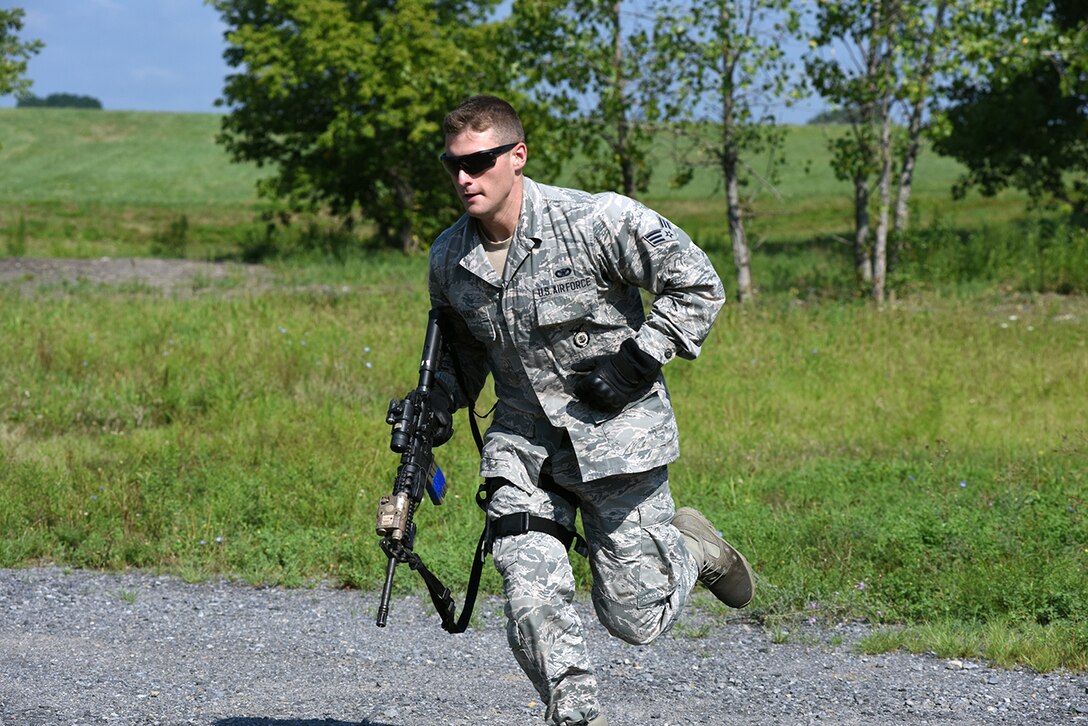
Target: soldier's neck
(504,221)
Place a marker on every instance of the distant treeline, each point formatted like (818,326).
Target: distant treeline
(834,116)
(58,100)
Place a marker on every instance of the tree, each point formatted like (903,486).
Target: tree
(58,100)
(926,54)
(345,99)
(868,57)
(583,62)
(831,116)
(14,53)
(1022,121)
(723,60)
(926,47)
(860,82)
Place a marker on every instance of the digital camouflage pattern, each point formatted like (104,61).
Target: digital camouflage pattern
(570,291)
(642,578)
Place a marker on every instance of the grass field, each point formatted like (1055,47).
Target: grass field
(923,466)
(94,183)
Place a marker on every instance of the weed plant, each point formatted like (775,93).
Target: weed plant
(15,245)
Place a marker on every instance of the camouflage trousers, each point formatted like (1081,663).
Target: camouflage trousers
(642,578)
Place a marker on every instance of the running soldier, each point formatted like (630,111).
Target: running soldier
(542,285)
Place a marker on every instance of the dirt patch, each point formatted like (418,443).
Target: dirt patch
(35,275)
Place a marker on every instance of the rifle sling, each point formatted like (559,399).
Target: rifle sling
(440,594)
(459,373)
(522,522)
(506,526)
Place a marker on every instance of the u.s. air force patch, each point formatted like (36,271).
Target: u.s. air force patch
(665,233)
(559,288)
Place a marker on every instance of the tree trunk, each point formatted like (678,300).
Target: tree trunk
(619,88)
(866,122)
(862,260)
(742,258)
(906,170)
(914,135)
(880,249)
(406,196)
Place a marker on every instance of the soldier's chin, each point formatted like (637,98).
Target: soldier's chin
(474,205)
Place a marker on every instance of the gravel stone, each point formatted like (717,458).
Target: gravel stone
(80,648)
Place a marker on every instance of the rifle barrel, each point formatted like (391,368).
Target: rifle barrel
(387,589)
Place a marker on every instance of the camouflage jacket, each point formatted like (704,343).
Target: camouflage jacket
(571,291)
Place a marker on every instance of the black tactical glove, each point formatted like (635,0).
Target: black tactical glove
(616,380)
(442,408)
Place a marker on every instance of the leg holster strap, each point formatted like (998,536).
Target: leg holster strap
(522,522)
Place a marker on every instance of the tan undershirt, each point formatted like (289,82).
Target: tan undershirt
(496,252)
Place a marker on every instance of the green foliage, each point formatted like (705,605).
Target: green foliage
(58,100)
(14,53)
(893,52)
(345,100)
(1036,255)
(1024,64)
(589,67)
(859,86)
(727,56)
(1040,146)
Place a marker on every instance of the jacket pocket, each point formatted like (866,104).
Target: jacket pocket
(560,308)
(565,323)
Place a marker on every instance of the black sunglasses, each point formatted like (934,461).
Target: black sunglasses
(477,162)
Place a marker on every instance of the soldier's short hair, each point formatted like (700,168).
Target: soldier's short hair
(483,112)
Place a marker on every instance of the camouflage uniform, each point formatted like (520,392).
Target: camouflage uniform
(571,291)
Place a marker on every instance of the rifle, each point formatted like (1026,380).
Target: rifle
(411,437)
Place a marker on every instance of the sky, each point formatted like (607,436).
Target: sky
(148,55)
(132,55)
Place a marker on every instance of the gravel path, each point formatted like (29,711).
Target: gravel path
(82,647)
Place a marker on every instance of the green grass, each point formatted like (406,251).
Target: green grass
(107,183)
(933,450)
(92,183)
(119,158)
(921,466)
(1063,645)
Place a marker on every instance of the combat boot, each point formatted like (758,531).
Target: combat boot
(722,569)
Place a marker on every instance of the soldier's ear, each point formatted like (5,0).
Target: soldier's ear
(519,155)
